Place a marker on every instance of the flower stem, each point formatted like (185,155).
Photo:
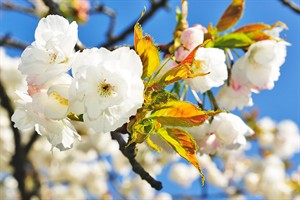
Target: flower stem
(212,100)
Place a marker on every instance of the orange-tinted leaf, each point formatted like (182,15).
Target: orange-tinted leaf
(279,23)
(258,36)
(252,27)
(183,143)
(179,113)
(231,15)
(149,55)
(182,70)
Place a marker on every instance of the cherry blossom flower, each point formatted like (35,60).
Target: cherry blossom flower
(287,141)
(190,38)
(238,93)
(60,133)
(211,61)
(51,54)
(262,62)
(230,130)
(107,87)
(178,174)
(266,136)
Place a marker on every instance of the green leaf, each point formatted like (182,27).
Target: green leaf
(233,40)
(231,15)
(159,98)
(141,130)
(183,143)
(179,113)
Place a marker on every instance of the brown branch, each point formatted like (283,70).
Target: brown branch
(53,7)
(291,5)
(129,152)
(30,143)
(112,16)
(154,7)
(19,160)
(8,41)
(5,5)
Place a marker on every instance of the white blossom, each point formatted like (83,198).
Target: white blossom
(211,61)
(266,136)
(238,94)
(107,87)
(214,175)
(11,77)
(287,141)
(60,133)
(178,174)
(230,130)
(51,54)
(262,63)
(273,181)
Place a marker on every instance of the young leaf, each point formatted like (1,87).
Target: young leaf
(183,70)
(258,36)
(233,40)
(179,113)
(183,144)
(159,98)
(140,131)
(231,15)
(152,145)
(252,27)
(148,52)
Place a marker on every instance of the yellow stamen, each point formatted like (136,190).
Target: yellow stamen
(60,99)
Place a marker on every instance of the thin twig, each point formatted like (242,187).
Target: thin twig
(291,5)
(53,7)
(32,140)
(5,5)
(212,100)
(18,159)
(129,152)
(229,64)
(154,7)
(199,102)
(8,41)
(112,16)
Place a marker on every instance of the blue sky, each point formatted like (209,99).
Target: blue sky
(283,102)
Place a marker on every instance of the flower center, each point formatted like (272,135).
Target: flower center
(60,99)
(105,89)
(200,66)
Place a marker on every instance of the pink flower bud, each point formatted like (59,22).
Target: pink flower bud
(192,37)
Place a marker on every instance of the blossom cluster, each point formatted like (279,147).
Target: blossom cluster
(65,94)
(104,88)
(257,70)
